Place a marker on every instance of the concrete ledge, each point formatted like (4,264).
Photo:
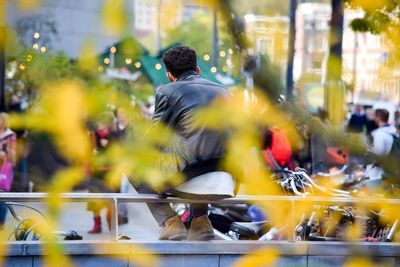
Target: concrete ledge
(210,248)
(209,254)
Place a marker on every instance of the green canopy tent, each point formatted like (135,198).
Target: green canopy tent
(130,54)
(123,54)
(154,69)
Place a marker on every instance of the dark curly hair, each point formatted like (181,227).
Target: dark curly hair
(180,59)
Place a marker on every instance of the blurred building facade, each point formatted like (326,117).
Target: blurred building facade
(145,16)
(76,21)
(146,12)
(269,37)
(364,55)
(152,18)
(312,45)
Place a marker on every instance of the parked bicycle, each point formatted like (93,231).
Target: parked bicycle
(31,229)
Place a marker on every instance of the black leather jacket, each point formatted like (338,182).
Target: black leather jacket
(198,148)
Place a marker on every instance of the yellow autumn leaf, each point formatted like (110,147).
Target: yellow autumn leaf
(66,106)
(66,179)
(60,111)
(259,258)
(140,255)
(358,262)
(208,3)
(355,231)
(114,16)
(3,16)
(87,58)
(3,246)
(170,12)
(27,5)
(236,113)
(54,251)
(369,5)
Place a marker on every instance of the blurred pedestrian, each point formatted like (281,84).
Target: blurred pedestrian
(383,135)
(8,156)
(121,128)
(101,136)
(382,141)
(277,151)
(358,120)
(371,125)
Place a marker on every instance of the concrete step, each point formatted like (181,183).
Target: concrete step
(207,254)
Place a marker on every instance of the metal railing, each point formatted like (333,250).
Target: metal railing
(115,198)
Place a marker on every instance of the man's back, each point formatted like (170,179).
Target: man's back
(176,105)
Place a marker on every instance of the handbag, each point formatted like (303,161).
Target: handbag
(6,176)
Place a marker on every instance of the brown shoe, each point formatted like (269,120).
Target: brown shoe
(201,229)
(173,229)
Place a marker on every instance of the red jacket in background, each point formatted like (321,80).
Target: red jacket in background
(279,149)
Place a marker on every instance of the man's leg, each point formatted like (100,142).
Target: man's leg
(161,211)
(198,210)
(171,225)
(200,227)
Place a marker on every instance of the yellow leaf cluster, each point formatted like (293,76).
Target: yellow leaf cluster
(3,16)
(61,112)
(3,246)
(140,255)
(26,5)
(358,262)
(354,232)
(262,257)
(114,16)
(369,5)
(208,3)
(170,11)
(87,59)
(245,121)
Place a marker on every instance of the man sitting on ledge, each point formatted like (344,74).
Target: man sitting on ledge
(200,149)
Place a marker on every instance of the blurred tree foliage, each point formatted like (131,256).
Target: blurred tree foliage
(378,15)
(381,17)
(268,77)
(44,24)
(197,33)
(30,69)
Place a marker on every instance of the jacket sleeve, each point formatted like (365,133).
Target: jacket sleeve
(161,110)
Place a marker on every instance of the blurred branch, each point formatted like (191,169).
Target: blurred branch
(292,38)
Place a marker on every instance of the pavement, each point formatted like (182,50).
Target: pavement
(74,216)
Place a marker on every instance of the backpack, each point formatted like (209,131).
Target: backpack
(395,149)
(391,162)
